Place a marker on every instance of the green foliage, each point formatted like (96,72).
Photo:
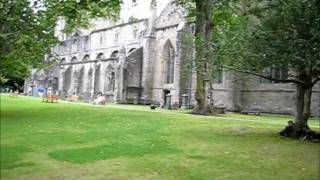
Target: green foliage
(205,62)
(270,34)
(78,13)
(27,30)
(24,39)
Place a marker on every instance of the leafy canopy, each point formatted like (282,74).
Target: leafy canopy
(281,33)
(27,29)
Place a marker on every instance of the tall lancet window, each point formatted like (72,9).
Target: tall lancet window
(169,57)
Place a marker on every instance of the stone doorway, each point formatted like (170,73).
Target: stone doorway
(166,99)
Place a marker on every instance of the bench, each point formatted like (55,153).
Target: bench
(73,98)
(101,100)
(247,112)
(153,107)
(50,99)
(14,94)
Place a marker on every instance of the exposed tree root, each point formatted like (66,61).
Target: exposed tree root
(208,111)
(300,132)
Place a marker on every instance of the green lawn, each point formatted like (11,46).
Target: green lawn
(42,141)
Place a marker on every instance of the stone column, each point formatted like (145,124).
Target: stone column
(93,81)
(119,84)
(149,55)
(149,58)
(61,80)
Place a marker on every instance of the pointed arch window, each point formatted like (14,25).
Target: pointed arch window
(218,74)
(114,54)
(100,56)
(131,50)
(169,57)
(86,58)
(134,2)
(63,61)
(74,60)
(274,72)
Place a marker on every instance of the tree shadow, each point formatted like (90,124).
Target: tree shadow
(92,154)
(11,157)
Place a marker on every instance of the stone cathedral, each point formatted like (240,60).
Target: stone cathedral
(141,59)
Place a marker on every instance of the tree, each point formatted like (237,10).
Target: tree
(202,11)
(23,39)
(78,13)
(203,40)
(27,30)
(282,34)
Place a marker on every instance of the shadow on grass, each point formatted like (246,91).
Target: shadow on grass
(11,157)
(87,155)
(229,134)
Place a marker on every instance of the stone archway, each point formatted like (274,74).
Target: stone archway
(100,56)
(131,50)
(67,81)
(115,54)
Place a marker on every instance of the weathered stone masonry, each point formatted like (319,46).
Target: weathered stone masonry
(141,60)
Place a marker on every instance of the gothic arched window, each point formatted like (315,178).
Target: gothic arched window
(131,50)
(74,60)
(114,54)
(169,57)
(86,58)
(100,56)
(63,61)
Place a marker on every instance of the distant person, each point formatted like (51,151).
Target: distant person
(100,99)
(41,91)
(50,91)
(29,91)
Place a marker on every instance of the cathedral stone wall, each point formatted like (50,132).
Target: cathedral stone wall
(169,26)
(133,77)
(276,98)
(249,94)
(144,58)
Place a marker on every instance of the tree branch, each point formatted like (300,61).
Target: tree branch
(267,77)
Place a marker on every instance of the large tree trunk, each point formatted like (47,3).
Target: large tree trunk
(203,41)
(300,118)
(299,128)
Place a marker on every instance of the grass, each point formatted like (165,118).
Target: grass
(74,141)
